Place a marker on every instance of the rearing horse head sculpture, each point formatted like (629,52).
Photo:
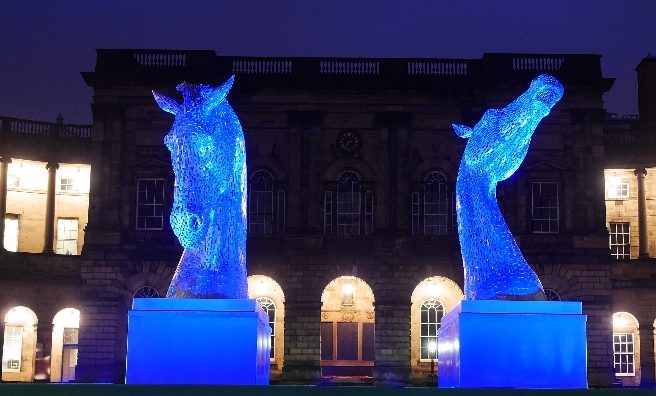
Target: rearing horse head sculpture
(494,266)
(209,210)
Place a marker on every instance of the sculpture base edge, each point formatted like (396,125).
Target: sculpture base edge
(513,344)
(197,341)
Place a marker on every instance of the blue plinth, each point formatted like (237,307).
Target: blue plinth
(513,344)
(197,341)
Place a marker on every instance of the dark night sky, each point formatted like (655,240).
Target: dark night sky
(44,45)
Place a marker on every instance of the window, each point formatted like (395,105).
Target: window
(551,295)
(146,292)
(545,207)
(328,213)
(618,189)
(260,203)
(150,204)
(348,204)
(620,245)
(12,349)
(269,308)
(66,236)
(11,232)
(435,204)
(623,354)
(431,313)
(13,181)
(68,185)
(281,212)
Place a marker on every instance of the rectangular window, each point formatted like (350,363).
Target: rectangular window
(281,212)
(12,349)
(67,236)
(71,336)
(618,190)
(415,213)
(368,213)
(11,232)
(68,185)
(348,213)
(623,354)
(544,207)
(328,213)
(13,181)
(435,211)
(150,204)
(620,243)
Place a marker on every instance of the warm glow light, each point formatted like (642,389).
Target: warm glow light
(432,347)
(261,287)
(20,315)
(347,289)
(614,181)
(436,290)
(619,321)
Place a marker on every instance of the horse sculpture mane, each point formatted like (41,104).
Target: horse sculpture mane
(209,210)
(494,266)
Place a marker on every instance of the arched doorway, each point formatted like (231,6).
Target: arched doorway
(431,300)
(19,348)
(347,329)
(63,358)
(272,299)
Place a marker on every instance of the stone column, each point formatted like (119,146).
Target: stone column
(642,214)
(4,168)
(49,231)
(392,344)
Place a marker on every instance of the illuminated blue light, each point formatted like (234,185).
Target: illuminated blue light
(494,266)
(209,210)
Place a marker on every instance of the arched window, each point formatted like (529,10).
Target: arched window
(433,209)
(260,203)
(430,313)
(146,292)
(435,204)
(65,332)
(551,295)
(348,204)
(626,348)
(269,308)
(19,347)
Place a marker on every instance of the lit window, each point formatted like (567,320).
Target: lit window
(269,308)
(13,181)
(150,204)
(68,185)
(260,203)
(12,349)
(431,313)
(66,236)
(623,354)
(620,244)
(11,233)
(617,189)
(435,204)
(545,207)
(348,204)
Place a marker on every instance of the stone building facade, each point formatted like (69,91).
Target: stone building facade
(352,244)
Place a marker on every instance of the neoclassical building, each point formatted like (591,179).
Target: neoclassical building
(352,243)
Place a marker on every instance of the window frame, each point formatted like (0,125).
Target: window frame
(418,204)
(438,323)
(254,200)
(626,236)
(5,347)
(138,204)
(533,208)
(617,354)
(9,218)
(365,200)
(272,323)
(59,235)
(623,187)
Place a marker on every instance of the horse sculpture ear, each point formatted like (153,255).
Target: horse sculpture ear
(217,96)
(167,104)
(462,130)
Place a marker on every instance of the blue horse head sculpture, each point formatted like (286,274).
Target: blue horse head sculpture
(494,266)
(209,210)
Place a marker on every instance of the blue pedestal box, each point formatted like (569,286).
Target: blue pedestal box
(513,344)
(197,341)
